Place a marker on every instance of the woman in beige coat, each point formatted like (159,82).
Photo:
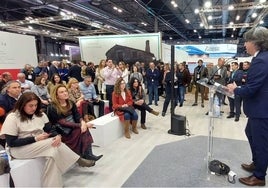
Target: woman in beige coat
(23,129)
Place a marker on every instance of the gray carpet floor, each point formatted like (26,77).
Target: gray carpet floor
(184,164)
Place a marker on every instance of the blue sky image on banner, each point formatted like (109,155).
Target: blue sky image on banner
(210,50)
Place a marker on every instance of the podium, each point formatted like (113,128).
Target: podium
(214,110)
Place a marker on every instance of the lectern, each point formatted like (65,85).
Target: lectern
(214,109)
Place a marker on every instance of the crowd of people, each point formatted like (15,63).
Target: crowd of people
(53,96)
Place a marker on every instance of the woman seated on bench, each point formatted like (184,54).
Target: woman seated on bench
(23,129)
(77,97)
(122,98)
(138,97)
(64,112)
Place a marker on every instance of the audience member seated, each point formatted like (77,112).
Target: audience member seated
(136,74)
(28,71)
(88,90)
(64,112)
(139,103)
(7,102)
(77,97)
(25,85)
(23,129)
(55,79)
(121,98)
(6,77)
(40,89)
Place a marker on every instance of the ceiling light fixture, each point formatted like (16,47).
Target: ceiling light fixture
(209,17)
(207,4)
(231,7)
(254,15)
(187,21)
(237,18)
(262,1)
(196,11)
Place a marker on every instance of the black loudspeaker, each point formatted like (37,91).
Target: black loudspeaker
(178,125)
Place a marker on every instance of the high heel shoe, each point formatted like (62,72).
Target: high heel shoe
(93,157)
(85,162)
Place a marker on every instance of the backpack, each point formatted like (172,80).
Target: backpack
(218,167)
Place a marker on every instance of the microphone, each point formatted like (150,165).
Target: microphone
(211,80)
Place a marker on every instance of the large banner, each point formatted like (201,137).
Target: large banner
(16,50)
(127,48)
(209,53)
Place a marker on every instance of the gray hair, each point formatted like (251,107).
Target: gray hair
(7,85)
(259,36)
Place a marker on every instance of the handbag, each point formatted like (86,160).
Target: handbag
(128,109)
(218,167)
(63,130)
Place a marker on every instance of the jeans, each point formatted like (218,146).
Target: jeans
(153,91)
(128,116)
(181,93)
(143,108)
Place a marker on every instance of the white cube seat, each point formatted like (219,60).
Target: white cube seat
(108,129)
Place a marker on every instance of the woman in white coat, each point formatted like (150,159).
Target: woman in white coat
(23,129)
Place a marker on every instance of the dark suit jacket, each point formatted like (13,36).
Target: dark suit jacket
(75,72)
(255,91)
(152,76)
(236,77)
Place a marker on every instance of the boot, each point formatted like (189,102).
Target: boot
(126,128)
(143,126)
(90,156)
(154,113)
(134,127)
(85,163)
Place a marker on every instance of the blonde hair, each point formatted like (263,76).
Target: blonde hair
(60,109)
(71,81)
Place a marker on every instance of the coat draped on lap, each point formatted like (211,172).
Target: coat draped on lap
(77,141)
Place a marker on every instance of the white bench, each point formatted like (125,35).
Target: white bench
(4,180)
(108,129)
(28,172)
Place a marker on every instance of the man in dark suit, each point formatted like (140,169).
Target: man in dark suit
(235,103)
(255,95)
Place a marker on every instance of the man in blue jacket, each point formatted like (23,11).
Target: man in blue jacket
(152,75)
(255,95)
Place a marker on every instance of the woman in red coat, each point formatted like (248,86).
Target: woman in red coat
(122,98)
